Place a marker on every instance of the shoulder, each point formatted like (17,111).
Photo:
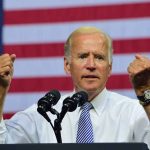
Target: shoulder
(28,114)
(124,104)
(118,98)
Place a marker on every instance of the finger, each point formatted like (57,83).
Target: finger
(4,56)
(5,69)
(6,64)
(6,61)
(141,57)
(2,75)
(7,57)
(138,56)
(131,69)
(13,57)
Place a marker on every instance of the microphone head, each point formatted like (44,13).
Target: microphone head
(81,97)
(53,96)
(70,104)
(46,102)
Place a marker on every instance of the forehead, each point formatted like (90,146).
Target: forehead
(87,41)
(97,38)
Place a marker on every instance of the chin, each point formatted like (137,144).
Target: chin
(88,87)
(91,89)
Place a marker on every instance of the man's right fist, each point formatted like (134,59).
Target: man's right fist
(6,69)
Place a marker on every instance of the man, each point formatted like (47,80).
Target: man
(115,118)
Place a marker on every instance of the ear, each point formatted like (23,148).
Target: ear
(66,65)
(110,70)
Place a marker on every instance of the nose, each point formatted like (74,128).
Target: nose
(91,63)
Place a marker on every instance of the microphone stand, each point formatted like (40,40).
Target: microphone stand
(56,131)
(57,127)
(57,124)
(69,105)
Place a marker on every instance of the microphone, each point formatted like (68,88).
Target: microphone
(78,99)
(45,103)
(71,103)
(81,97)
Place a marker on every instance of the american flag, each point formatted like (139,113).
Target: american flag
(35,30)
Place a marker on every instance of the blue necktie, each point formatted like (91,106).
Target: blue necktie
(85,129)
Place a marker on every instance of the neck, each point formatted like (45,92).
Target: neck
(91,94)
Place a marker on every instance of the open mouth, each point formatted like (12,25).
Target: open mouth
(90,76)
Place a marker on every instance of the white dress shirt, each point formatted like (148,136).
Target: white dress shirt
(115,118)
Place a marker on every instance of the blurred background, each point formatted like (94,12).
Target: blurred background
(35,30)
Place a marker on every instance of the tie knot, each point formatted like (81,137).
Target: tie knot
(87,106)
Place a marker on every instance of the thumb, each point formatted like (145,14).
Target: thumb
(138,56)
(13,57)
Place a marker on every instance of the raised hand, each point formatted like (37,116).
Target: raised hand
(6,69)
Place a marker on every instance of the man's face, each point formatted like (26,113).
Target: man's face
(88,65)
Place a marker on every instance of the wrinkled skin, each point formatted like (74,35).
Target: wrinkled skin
(88,64)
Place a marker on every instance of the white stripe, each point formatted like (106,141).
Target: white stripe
(54,32)
(130,93)
(38,4)
(38,67)
(42,67)
(20,101)
(122,61)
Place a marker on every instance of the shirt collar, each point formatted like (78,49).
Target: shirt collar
(100,101)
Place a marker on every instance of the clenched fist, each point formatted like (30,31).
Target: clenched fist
(6,69)
(139,72)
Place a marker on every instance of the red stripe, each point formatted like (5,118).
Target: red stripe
(41,84)
(131,46)
(36,50)
(78,13)
(61,83)
(119,82)
(8,115)
(57,49)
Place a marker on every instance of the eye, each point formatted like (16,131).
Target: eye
(82,56)
(99,57)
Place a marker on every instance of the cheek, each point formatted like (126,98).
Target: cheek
(76,71)
(77,67)
(105,70)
